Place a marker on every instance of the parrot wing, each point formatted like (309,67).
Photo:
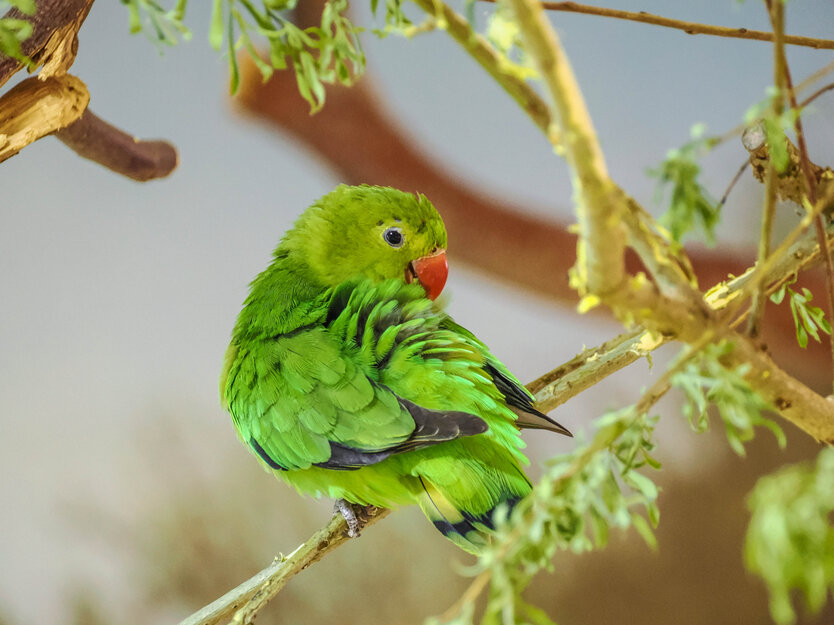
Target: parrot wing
(305,398)
(518,398)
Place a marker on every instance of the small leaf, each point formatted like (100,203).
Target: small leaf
(27,7)
(645,531)
(216,28)
(234,81)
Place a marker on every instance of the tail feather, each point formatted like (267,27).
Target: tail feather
(470,532)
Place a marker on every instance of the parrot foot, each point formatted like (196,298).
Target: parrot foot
(355,516)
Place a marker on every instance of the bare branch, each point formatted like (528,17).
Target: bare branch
(35,108)
(53,42)
(95,139)
(591,366)
(784,82)
(690,28)
(490,59)
(242,603)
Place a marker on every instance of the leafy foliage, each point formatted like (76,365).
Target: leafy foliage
(689,202)
(319,54)
(14,31)
(704,381)
(573,507)
(807,319)
(790,540)
(162,27)
(395,19)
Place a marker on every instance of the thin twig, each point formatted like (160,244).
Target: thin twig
(591,366)
(690,28)
(248,598)
(816,94)
(732,184)
(757,308)
(490,59)
(759,298)
(777,18)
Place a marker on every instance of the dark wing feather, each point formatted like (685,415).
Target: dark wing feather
(522,404)
(432,427)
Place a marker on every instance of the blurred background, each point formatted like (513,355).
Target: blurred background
(125,495)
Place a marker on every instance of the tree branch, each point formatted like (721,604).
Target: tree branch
(690,28)
(789,183)
(784,83)
(53,42)
(35,108)
(243,602)
(600,266)
(491,60)
(93,138)
(55,102)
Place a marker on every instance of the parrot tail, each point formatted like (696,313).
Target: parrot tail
(470,532)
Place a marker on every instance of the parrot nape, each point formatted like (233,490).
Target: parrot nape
(345,379)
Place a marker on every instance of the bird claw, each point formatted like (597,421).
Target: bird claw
(355,516)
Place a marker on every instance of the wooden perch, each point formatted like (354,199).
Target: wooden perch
(56,102)
(95,139)
(35,108)
(53,42)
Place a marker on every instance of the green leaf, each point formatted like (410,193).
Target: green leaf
(790,538)
(163,28)
(642,484)
(234,81)
(689,202)
(807,319)
(704,380)
(216,28)
(13,32)
(641,525)
(27,7)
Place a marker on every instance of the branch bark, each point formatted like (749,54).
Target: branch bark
(599,202)
(55,102)
(492,61)
(690,28)
(35,108)
(93,138)
(53,42)
(242,603)
(789,182)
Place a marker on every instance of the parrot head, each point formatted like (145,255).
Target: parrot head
(375,232)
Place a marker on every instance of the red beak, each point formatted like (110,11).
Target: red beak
(431,271)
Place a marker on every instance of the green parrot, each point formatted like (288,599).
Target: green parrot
(345,378)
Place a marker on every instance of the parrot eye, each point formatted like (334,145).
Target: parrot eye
(394,237)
